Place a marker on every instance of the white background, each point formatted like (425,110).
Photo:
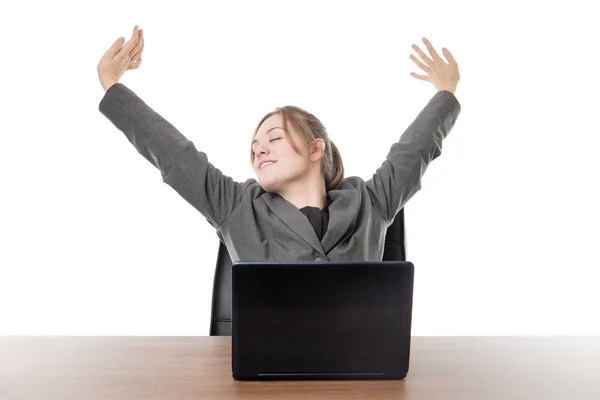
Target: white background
(504,233)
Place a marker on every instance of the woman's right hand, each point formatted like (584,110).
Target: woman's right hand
(119,58)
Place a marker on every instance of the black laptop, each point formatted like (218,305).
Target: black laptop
(321,320)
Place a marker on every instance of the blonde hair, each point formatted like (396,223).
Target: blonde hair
(309,128)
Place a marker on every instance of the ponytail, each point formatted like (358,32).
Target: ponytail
(335,174)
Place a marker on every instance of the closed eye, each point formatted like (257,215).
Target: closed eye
(254,148)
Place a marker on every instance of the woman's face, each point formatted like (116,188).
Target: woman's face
(276,164)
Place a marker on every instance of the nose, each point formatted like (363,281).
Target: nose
(260,150)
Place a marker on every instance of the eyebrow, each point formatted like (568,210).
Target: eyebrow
(269,131)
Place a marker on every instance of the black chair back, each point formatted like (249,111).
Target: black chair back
(220,321)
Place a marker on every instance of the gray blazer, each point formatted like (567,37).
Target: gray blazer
(256,225)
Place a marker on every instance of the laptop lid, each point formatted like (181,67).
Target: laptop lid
(321,320)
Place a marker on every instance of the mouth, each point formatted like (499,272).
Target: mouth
(266,164)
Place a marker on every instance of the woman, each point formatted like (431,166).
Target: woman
(301,208)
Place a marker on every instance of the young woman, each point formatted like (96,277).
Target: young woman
(300,207)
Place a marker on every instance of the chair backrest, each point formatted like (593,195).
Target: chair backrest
(220,322)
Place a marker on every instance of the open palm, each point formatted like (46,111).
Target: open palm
(443,75)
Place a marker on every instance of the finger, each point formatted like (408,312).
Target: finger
(419,63)
(135,36)
(138,53)
(131,43)
(423,56)
(138,40)
(114,49)
(449,57)
(431,50)
(135,64)
(418,76)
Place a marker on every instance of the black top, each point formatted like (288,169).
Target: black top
(318,218)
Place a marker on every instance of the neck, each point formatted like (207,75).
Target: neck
(311,192)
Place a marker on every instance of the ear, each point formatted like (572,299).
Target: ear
(318,150)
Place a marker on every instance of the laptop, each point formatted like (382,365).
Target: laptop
(321,320)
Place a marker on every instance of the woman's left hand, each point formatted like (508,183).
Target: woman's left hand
(443,75)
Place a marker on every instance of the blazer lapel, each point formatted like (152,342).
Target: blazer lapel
(343,209)
(293,218)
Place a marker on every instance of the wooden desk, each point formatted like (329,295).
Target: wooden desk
(173,368)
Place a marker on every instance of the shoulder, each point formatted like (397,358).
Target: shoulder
(353,183)
(251,188)
(351,187)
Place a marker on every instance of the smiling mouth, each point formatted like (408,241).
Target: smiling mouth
(267,164)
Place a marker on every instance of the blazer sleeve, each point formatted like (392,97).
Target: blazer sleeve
(182,167)
(399,177)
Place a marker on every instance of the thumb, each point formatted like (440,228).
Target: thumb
(114,49)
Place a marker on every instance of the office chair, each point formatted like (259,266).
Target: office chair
(220,321)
